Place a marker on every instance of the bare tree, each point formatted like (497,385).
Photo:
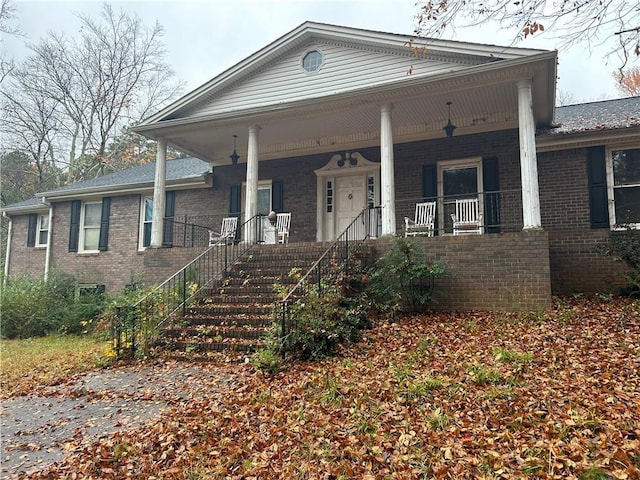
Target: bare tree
(628,81)
(96,85)
(612,25)
(6,28)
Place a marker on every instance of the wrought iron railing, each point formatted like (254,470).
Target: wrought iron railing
(134,324)
(501,211)
(336,260)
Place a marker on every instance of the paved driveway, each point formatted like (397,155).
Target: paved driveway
(36,430)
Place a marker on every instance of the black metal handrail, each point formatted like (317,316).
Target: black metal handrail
(334,261)
(178,291)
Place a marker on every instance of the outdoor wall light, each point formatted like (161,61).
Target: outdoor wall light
(449,127)
(234,156)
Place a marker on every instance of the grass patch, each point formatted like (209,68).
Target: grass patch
(32,362)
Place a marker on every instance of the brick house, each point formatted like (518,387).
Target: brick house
(328,121)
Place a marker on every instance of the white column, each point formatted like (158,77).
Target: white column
(528,160)
(251,198)
(157,221)
(387,179)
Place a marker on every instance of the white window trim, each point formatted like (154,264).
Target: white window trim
(261,183)
(141,247)
(81,248)
(458,163)
(322,62)
(39,229)
(611,202)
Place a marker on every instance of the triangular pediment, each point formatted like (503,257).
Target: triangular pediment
(352,61)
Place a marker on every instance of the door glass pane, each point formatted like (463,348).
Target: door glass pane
(264,200)
(457,183)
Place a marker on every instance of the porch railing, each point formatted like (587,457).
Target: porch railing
(501,210)
(334,261)
(136,323)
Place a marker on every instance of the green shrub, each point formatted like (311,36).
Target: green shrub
(35,307)
(321,323)
(403,278)
(625,246)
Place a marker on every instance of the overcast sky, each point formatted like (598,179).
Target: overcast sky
(203,38)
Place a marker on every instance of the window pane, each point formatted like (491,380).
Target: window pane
(627,205)
(146,241)
(148,209)
(44,222)
(91,236)
(626,167)
(42,237)
(460,181)
(264,200)
(92,214)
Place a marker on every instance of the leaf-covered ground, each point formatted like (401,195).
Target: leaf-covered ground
(474,395)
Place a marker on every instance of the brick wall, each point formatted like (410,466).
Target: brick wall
(114,267)
(563,195)
(24,260)
(564,205)
(508,271)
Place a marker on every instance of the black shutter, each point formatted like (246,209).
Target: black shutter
(429,183)
(31,232)
(277,196)
(103,242)
(74,226)
(169,213)
(491,188)
(430,187)
(597,178)
(234,200)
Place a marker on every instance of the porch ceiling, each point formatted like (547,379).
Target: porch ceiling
(481,102)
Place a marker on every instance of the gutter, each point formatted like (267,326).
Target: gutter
(8,252)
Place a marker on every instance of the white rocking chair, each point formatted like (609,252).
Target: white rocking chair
(467,220)
(423,222)
(227,232)
(282,227)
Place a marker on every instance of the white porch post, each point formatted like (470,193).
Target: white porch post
(388,193)
(251,199)
(157,220)
(528,160)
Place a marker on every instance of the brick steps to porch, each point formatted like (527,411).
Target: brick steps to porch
(236,314)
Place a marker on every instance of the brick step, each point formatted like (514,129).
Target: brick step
(234,345)
(215,333)
(230,309)
(242,296)
(230,321)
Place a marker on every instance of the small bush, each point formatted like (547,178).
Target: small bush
(323,322)
(403,278)
(35,307)
(625,246)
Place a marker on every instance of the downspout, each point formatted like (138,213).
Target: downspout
(8,252)
(47,259)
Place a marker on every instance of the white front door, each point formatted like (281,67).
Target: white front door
(350,200)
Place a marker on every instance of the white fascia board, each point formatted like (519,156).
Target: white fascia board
(154,130)
(332,32)
(120,189)
(42,208)
(618,136)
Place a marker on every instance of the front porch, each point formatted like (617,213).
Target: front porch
(495,271)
